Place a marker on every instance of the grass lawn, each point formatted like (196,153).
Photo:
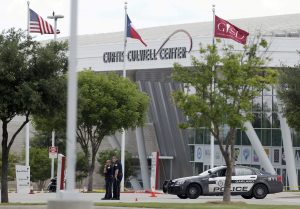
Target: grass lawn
(214,205)
(218,205)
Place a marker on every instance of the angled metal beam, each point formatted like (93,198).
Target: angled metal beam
(288,149)
(259,149)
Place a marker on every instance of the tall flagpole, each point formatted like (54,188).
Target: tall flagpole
(54,17)
(28,19)
(125,40)
(124,75)
(27,124)
(212,139)
(72,102)
(69,199)
(213,39)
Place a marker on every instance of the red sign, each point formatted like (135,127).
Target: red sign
(53,152)
(225,29)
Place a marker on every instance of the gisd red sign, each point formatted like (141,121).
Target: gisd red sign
(53,151)
(225,29)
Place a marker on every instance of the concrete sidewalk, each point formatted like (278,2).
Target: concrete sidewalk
(283,198)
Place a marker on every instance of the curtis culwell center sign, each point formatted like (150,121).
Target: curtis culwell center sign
(150,54)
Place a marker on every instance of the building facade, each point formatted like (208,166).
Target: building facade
(188,151)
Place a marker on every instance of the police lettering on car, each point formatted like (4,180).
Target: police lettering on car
(245,181)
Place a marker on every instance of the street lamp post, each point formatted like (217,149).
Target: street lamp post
(55,17)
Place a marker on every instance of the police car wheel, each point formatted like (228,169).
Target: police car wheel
(182,196)
(193,191)
(260,191)
(247,196)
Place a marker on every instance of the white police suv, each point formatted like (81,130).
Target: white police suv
(246,181)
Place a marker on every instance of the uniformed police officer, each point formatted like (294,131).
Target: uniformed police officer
(108,172)
(118,175)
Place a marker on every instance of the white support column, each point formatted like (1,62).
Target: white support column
(27,145)
(212,150)
(142,157)
(288,149)
(259,149)
(123,159)
(52,159)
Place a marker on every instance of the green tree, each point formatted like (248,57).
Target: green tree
(238,78)
(43,139)
(40,166)
(289,93)
(108,154)
(107,103)
(30,82)
(81,168)
(13,160)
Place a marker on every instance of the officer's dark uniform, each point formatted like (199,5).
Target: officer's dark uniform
(116,185)
(109,177)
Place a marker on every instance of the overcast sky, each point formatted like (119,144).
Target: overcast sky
(102,16)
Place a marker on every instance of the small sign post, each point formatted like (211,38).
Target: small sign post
(154,170)
(53,151)
(23,179)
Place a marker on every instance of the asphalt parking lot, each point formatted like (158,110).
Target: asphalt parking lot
(284,198)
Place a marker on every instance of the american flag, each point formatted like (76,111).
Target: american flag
(38,25)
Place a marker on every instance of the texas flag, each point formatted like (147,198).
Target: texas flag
(225,29)
(131,32)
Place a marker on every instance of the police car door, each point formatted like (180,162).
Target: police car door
(242,180)
(216,181)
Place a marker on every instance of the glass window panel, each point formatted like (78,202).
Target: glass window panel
(193,166)
(296,139)
(245,139)
(274,92)
(276,156)
(275,119)
(191,135)
(266,137)
(243,171)
(199,136)
(206,136)
(268,91)
(276,137)
(192,150)
(266,120)
(258,132)
(257,104)
(256,166)
(198,168)
(284,177)
(238,140)
(267,103)
(256,120)
(274,104)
